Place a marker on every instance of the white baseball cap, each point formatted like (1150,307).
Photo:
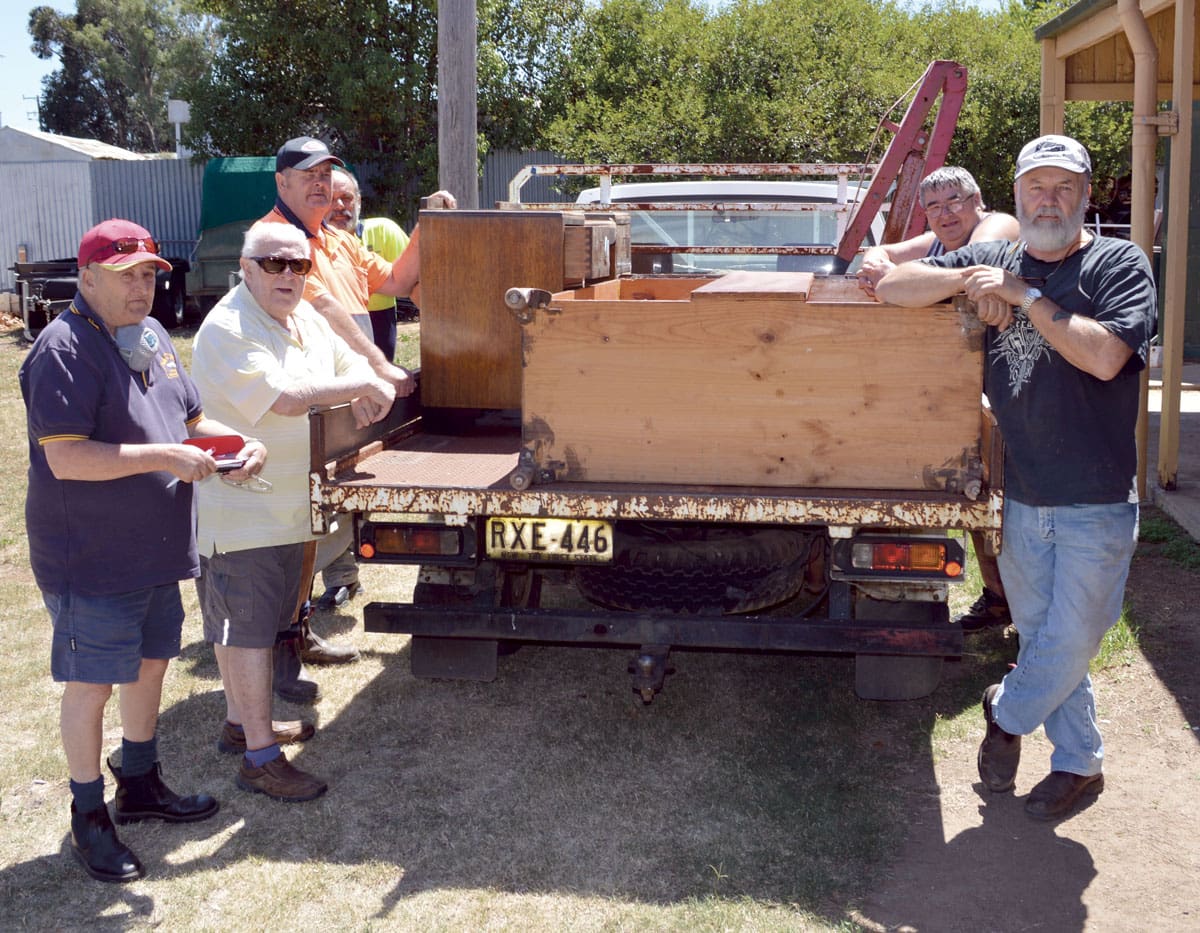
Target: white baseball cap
(1054,152)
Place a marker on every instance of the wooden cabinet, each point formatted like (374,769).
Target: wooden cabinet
(470,342)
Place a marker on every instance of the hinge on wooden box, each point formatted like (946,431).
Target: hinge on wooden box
(528,471)
(522,477)
(551,471)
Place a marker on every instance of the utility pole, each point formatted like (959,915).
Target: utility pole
(458,154)
(36,113)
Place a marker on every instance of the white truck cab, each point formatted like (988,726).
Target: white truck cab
(735,213)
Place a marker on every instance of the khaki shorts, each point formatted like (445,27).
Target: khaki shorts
(248,596)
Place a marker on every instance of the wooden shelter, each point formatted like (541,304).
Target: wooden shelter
(1142,51)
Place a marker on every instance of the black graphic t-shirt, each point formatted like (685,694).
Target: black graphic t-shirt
(1069,436)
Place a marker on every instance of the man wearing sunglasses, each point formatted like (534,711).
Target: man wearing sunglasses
(1069,318)
(261,358)
(954,208)
(345,273)
(109,518)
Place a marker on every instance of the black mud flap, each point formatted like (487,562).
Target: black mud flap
(453,658)
(891,677)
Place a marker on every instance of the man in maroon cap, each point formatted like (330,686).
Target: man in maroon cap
(110,524)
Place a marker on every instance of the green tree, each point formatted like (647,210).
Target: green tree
(120,61)
(521,49)
(752,80)
(362,74)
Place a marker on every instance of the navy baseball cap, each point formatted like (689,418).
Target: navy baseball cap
(304,152)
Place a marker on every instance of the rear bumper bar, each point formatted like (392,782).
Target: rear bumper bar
(596,627)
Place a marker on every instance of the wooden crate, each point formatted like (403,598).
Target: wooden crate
(752,379)
(470,342)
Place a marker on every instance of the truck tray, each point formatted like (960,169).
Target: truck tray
(751,379)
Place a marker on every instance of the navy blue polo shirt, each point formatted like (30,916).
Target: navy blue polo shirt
(109,536)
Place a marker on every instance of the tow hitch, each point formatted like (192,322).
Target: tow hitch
(649,669)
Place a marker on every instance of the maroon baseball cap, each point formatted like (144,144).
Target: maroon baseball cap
(117,244)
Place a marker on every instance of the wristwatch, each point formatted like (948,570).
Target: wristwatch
(1031,295)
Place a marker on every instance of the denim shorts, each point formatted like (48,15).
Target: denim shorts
(103,639)
(247,596)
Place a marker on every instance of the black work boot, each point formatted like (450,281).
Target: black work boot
(146,797)
(95,845)
(990,610)
(292,682)
(1000,752)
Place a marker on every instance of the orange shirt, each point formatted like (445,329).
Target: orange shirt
(342,268)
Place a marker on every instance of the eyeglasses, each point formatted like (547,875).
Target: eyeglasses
(273,265)
(252,484)
(131,244)
(954,204)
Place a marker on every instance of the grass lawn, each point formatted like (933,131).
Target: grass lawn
(755,793)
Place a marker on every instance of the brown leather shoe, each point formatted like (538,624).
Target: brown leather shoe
(1000,752)
(280,779)
(233,739)
(1059,792)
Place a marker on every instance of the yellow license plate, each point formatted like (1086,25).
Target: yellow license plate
(578,540)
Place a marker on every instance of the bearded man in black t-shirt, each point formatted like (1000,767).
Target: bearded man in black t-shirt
(1070,317)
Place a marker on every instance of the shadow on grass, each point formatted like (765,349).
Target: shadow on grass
(751,777)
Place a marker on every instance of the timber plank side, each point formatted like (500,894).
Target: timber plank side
(750,385)
(470,342)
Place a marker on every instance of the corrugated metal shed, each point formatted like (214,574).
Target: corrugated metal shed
(161,195)
(503,164)
(48,206)
(18,145)
(57,187)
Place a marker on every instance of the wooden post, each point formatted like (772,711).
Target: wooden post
(458,152)
(1054,84)
(1175,260)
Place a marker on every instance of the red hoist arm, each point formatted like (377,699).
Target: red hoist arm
(914,152)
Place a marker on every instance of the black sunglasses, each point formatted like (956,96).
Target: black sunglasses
(273,265)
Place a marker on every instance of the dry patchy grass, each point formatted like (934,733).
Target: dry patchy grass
(755,793)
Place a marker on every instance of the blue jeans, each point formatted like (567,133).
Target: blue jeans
(1064,571)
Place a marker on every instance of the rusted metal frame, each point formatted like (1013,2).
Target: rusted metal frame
(336,445)
(718,207)
(705,168)
(735,250)
(942,78)
(719,169)
(597,627)
(853,509)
